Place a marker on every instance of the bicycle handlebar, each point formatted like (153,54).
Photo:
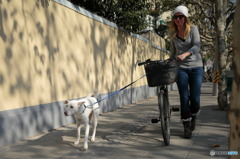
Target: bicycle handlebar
(145,62)
(149,61)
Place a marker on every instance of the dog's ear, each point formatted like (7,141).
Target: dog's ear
(80,103)
(66,102)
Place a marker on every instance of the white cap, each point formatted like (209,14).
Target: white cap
(181,9)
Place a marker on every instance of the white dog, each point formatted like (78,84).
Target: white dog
(84,110)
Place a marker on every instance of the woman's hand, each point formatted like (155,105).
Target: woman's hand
(183,56)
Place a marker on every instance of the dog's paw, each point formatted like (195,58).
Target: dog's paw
(76,142)
(85,148)
(92,139)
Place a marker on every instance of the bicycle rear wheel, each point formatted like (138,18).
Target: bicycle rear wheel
(164,116)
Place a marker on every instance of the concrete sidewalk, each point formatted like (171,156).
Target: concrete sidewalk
(128,133)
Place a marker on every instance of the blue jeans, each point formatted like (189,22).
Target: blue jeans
(189,81)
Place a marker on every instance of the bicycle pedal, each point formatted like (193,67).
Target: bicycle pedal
(155,120)
(175,109)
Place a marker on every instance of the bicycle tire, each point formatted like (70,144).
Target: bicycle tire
(164,116)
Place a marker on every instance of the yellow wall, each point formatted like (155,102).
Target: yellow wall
(50,53)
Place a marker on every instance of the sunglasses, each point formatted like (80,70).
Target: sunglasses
(178,16)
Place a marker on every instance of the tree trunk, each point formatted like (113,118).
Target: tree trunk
(222,52)
(234,111)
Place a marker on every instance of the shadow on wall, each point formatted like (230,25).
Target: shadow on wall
(44,3)
(24,80)
(44,63)
(2,34)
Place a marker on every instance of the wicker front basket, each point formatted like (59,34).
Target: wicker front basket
(161,73)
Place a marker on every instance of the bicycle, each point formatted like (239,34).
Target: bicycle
(160,74)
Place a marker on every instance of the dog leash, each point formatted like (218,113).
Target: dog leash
(114,92)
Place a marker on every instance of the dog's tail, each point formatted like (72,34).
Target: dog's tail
(94,94)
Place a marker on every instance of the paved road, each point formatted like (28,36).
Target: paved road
(128,133)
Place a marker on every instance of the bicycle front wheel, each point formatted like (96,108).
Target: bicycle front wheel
(164,116)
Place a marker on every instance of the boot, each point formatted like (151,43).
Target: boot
(187,128)
(193,123)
